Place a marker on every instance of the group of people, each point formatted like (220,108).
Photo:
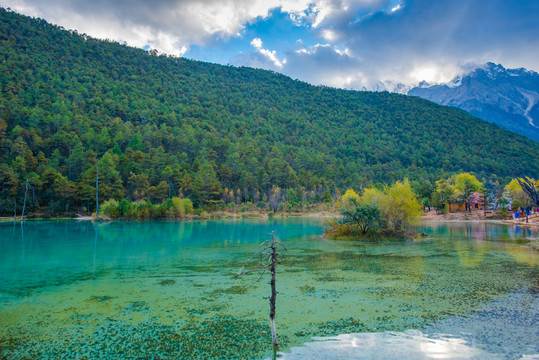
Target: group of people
(525,211)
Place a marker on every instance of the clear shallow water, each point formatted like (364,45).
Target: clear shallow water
(166,290)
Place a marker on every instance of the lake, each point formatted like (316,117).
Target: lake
(166,290)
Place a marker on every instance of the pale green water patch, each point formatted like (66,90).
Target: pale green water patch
(165,289)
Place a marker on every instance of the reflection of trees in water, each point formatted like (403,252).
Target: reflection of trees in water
(470,256)
(485,236)
(523,255)
(472,231)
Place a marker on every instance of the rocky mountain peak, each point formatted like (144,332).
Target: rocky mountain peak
(507,97)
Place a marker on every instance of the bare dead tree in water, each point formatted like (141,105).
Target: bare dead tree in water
(267,261)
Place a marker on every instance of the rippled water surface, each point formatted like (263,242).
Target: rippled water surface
(166,290)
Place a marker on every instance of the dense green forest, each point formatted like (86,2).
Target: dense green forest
(156,127)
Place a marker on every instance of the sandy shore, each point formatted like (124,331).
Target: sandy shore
(85,218)
(463,215)
(480,215)
(533,221)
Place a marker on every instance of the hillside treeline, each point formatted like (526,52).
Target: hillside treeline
(156,127)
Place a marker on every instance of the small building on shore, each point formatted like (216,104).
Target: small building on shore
(475,201)
(457,206)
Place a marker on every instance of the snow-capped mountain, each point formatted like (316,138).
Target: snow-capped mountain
(507,97)
(392,86)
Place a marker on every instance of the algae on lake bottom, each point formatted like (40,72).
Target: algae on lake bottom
(171,296)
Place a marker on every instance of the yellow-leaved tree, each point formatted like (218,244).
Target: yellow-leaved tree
(518,197)
(399,206)
(345,201)
(396,206)
(466,184)
(403,211)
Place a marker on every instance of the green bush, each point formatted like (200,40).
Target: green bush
(165,210)
(145,210)
(110,208)
(182,207)
(362,218)
(124,208)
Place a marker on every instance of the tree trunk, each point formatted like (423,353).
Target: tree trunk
(96,190)
(69,164)
(273,297)
(24,203)
(269,263)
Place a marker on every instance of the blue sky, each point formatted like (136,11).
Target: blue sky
(343,43)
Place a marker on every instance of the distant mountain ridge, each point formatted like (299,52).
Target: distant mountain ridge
(506,97)
(391,86)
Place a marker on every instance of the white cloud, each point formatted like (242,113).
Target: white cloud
(257,43)
(325,64)
(269,54)
(396,8)
(367,40)
(410,41)
(171,26)
(343,52)
(433,73)
(328,34)
(272,56)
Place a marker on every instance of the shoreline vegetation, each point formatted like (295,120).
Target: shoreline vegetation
(429,216)
(204,215)
(380,210)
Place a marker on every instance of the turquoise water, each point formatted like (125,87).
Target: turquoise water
(166,290)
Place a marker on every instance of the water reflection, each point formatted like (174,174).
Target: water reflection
(410,344)
(54,252)
(502,329)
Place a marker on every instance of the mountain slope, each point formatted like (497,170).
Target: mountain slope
(68,101)
(507,97)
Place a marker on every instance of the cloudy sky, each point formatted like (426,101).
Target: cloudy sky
(342,43)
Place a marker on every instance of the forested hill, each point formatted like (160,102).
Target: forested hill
(68,101)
